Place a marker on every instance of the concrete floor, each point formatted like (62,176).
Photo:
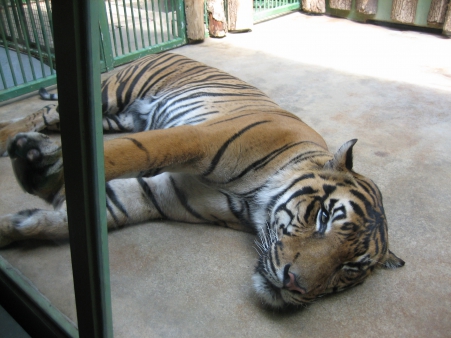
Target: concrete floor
(391,90)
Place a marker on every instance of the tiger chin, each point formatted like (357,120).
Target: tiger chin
(209,148)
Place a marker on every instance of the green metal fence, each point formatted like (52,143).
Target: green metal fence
(26,46)
(265,9)
(128,30)
(138,27)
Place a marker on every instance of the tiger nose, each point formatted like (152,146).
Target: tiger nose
(290,280)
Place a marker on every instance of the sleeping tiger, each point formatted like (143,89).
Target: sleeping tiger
(210,148)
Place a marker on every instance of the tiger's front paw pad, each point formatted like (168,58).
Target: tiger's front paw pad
(27,146)
(37,164)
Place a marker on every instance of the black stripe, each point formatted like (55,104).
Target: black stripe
(242,214)
(263,162)
(304,191)
(357,209)
(139,145)
(276,253)
(272,266)
(105,97)
(154,63)
(275,198)
(165,62)
(305,156)
(184,201)
(230,119)
(179,115)
(110,209)
(146,188)
(310,208)
(224,147)
(45,120)
(116,120)
(113,198)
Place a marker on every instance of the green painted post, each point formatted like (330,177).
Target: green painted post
(105,40)
(76,34)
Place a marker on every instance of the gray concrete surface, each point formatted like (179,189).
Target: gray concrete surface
(392,91)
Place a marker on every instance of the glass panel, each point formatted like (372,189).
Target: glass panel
(47,264)
(150,27)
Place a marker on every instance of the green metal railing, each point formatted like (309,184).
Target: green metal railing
(139,27)
(128,30)
(266,9)
(26,47)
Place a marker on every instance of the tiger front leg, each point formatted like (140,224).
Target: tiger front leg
(38,166)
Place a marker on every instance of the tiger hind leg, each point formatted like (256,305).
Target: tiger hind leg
(45,118)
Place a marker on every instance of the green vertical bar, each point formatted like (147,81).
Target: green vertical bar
(133,24)
(22,20)
(181,31)
(161,21)
(44,35)
(111,26)
(119,26)
(168,29)
(76,28)
(49,13)
(13,35)
(126,26)
(107,48)
(147,22)
(154,22)
(141,25)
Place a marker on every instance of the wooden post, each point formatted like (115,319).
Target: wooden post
(240,15)
(437,11)
(314,6)
(447,24)
(195,29)
(344,5)
(217,24)
(404,11)
(367,7)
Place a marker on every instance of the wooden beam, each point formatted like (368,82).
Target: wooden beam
(240,15)
(195,29)
(314,6)
(344,5)
(217,24)
(404,11)
(447,23)
(437,12)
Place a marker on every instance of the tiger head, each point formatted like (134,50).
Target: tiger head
(327,232)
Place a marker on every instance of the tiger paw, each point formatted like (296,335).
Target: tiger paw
(33,224)
(6,230)
(37,164)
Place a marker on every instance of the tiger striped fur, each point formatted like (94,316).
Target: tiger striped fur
(209,148)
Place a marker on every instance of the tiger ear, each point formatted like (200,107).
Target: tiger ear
(343,157)
(392,261)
